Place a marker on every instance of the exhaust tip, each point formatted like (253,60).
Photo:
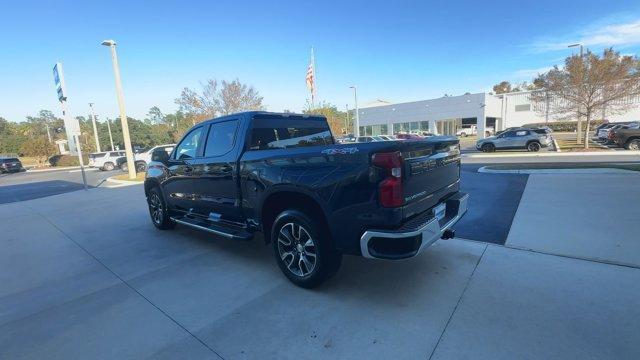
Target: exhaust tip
(448,234)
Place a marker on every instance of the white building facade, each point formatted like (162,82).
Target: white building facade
(446,115)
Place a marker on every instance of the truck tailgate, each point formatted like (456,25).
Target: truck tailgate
(431,172)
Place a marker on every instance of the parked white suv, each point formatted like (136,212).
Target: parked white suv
(146,156)
(105,161)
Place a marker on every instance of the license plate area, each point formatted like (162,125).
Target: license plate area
(439,211)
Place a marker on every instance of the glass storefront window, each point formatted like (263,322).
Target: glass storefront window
(384,129)
(424,125)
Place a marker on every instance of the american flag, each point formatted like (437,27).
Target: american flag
(311,77)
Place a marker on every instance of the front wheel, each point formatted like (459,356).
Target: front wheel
(488,148)
(158,210)
(533,147)
(633,145)
(302,249)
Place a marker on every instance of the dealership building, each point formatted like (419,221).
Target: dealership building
(448,114)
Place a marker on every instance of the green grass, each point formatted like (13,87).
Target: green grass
(571,145)
(125,176)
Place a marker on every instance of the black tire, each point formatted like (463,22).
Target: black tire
(295,238)
(463,134)
(158,210)
(141,166)
(123,167)
(108,166)
(533,146)
(633,145)
(488,147)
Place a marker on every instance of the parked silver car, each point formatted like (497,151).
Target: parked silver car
(528,139)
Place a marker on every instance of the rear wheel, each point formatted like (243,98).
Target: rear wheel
(633,145)
(303,250)
(141,166)
(108,166)
(463,134)
(533,146)
(123,167)
(488,147)
(158,210)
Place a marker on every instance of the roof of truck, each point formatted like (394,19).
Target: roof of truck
(252,113)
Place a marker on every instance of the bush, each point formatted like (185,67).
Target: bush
(67,160)
(567,126)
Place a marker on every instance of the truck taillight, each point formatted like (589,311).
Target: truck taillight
(390,189)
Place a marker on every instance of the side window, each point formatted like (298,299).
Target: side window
(522,133)
(509,134)
(189,145)
(221,137)
(277,132)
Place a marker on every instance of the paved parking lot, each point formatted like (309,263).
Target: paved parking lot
(96,280)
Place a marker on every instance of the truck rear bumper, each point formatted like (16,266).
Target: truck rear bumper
(415,235)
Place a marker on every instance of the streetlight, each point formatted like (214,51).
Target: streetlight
(356,131)
(123,116)
(95,129)
(576,45)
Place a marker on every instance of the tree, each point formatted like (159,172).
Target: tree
(236,97)
(589,84)
(502,87)
(335,117)
(212,100)
(40,148)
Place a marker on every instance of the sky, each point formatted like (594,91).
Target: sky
(393,50)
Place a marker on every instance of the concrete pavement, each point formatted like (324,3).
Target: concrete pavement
(593,216)
(85,275)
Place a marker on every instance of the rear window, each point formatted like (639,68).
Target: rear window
(9,160)
(540,131)
(276,132)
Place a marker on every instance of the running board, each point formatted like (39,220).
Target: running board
(229,233)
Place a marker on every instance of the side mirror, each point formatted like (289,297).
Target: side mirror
(160,155)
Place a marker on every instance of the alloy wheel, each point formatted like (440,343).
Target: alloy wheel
(155,208)
(297,249)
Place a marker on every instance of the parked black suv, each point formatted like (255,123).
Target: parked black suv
(10,164)
(313,199)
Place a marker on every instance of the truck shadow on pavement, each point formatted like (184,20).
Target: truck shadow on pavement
(35,190)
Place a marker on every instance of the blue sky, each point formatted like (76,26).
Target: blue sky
(399,51)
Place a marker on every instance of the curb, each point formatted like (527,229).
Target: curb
(56,169)
(486,170)
(124,182)
(602,153)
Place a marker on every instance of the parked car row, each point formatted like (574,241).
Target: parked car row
(622,134)
(530,139)
(375,138)
(111,160)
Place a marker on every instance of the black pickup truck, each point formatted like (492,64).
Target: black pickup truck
(311,198)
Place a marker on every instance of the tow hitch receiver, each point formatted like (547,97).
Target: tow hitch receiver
(448,234)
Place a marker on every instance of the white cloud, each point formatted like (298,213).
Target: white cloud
(530,73)
(619,34)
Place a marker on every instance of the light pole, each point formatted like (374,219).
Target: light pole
(110,137)
(123,116)
(95,129)
(346,119)
(356,131)
(579,127)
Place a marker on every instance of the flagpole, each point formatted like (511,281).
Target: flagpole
(313,90)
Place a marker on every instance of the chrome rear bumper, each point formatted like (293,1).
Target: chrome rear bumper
(410,240)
